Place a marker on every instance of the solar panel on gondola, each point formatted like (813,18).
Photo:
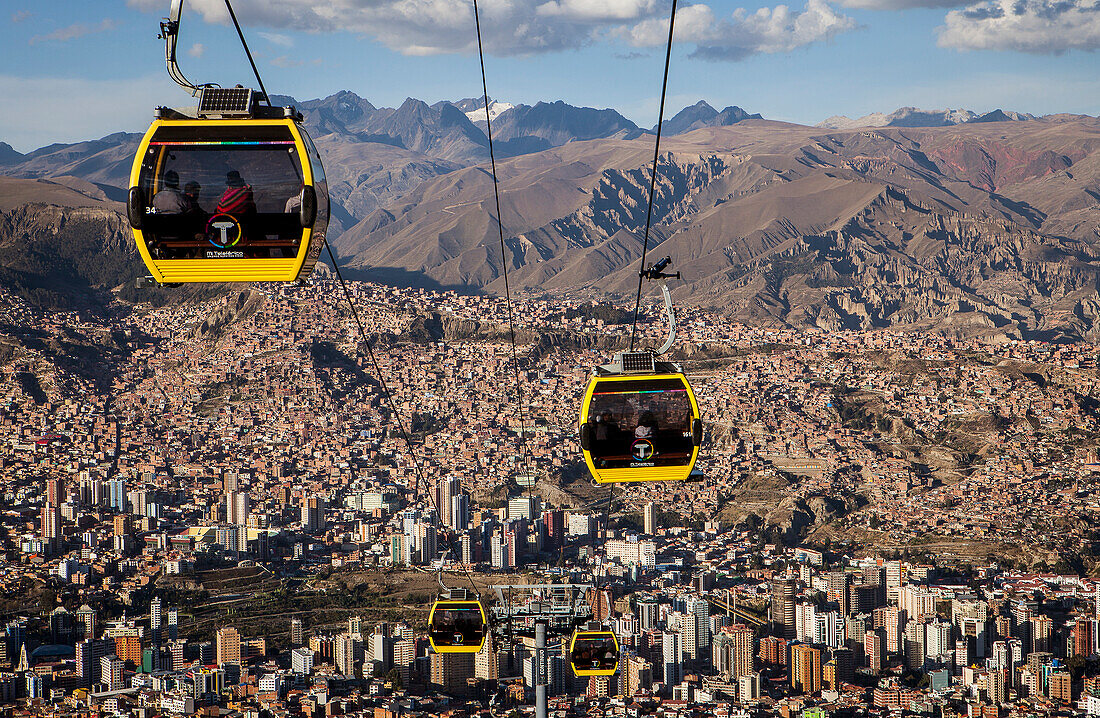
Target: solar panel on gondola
(225,101)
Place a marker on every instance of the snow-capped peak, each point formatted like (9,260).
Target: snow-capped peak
(495,108)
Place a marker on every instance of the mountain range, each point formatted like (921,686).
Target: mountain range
(969,224)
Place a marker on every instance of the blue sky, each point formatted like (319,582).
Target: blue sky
(80,69)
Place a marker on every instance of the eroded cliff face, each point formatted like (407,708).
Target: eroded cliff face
(973,231)
(61,257)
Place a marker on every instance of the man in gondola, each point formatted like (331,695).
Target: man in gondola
(169,200)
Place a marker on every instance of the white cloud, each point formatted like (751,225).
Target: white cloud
(767,30)
(277,39)
(1037,26)
(586,10)
(901,4)
(197,50)
(528,27)
(72,32)
(20,15)
(39,109)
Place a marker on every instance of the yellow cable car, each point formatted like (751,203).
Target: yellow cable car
(640,421)
(233,191)
(228,200)
(594,653)
(456,626)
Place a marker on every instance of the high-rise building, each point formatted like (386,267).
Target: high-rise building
(450,672)
(116,495)
(301,661)
(689,636)
(845,665)
(647,612)
(459,512)
(445,490)
(156,621)
(88,659)
(698,606)
(555,527)
(672,659)
(916,601)
(782,607)
(110,672)
(176,648)
(297,633)
(173,623)
(425,543)
(237,507)
(1041,629)
(649,519)
(743,649)
(86,621)
(1082,634)
(874,646)
(938,641)
(864,597)
(55,491)
(806,673)
(1060,686)
(892,621)
(91,492)
(524,507)
(895,574)
(399,549)
(773,651)
(637,676)
(346,649)
(838,590)
(721,654)
(313,514)
(128,647)
(51,527)
(229,645)
(404,654)
(913,642)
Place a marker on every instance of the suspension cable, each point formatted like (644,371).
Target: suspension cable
(653,176)
(504,262)
(240,34)
(421,479)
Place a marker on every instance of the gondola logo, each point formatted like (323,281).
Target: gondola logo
(223,230)
(642,449)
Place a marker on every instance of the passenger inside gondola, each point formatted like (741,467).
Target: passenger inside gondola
(594,652)
(654,412)
(169,200)
(458,626)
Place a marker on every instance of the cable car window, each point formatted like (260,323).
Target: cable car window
(314,157)
(640,423)
(218,193)
(461,625)
(594,653)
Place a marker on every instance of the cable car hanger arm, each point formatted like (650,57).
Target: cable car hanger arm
(656,271)
(169,32)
